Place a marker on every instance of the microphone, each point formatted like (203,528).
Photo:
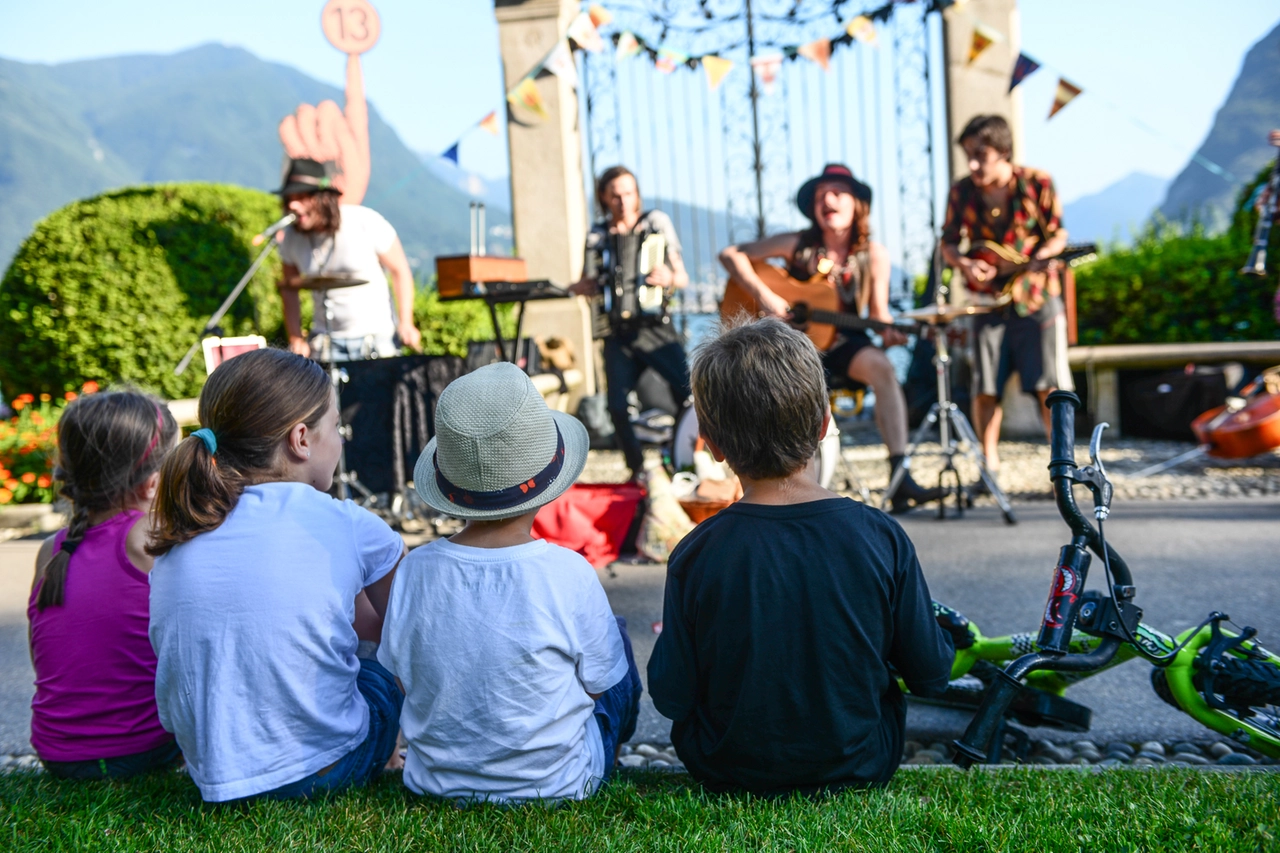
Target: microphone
(279,225)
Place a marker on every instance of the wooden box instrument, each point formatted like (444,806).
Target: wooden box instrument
(453,272)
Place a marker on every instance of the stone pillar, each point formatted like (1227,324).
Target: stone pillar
(982,87)
(548,203)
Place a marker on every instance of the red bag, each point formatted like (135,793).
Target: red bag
(591,518)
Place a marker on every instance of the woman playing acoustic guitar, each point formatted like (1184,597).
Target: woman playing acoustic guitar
(839,247)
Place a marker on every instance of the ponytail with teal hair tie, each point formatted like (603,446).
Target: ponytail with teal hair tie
(210,440)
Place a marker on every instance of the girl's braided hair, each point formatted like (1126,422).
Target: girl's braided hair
(108,444)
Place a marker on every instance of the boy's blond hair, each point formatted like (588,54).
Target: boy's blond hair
(760,393)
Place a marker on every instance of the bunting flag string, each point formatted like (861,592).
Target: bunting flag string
(863,29)
(626,45)
(716,67)
(983,38)
(489,124)
(560,62)
(525,94)
(452,153)
(818,51)
(1023,68)
(767,69)
(1066,93)
(668,59)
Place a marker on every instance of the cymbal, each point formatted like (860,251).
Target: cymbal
(328,282)
(939,315)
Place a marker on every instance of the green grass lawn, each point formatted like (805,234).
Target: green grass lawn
(1016,810)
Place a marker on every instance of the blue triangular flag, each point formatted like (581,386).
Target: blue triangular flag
(1022,69)
(452,153)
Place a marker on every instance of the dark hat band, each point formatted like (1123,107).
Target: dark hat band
(503,498)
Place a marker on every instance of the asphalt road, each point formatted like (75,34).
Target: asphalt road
(1187,559)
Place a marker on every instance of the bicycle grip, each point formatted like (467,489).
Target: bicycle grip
(1062,436)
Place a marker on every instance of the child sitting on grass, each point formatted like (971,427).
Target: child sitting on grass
(94,711)
(784,612)
(263,589)
(520,684)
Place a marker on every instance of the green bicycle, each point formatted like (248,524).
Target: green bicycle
(1222,678)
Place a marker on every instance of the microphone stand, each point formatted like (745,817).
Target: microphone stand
(224,307)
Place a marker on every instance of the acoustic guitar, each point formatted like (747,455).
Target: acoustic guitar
(815,306)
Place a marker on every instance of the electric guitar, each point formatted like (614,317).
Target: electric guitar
(1010,265)
(815,306)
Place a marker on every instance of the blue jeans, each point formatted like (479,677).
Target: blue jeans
(121,767)
(362,764)
(618,707)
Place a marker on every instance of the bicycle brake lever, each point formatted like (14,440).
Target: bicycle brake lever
(1097,474)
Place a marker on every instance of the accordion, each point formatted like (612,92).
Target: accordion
(619,265)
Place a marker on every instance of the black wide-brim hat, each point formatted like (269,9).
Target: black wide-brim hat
(831,172)
(302,175)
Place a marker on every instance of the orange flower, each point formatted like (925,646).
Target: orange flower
(19,404)
(45,481)
(69,396)
(27,398)
(37,419)
(89,387)
(29,477)
(5,496)
(44,398)
(11,483)
(5,474)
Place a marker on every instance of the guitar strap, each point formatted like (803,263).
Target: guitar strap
(853,280)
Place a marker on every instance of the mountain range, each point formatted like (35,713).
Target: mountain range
(210,113)
(1117,213)
(1237,141)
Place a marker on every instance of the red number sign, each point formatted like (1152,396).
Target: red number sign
(352,26)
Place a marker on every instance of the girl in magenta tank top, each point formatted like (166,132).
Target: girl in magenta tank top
(94,712)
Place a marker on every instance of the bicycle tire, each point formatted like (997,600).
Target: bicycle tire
(1243,683)
(1160,684)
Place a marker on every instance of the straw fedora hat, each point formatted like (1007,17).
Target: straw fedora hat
(499,451)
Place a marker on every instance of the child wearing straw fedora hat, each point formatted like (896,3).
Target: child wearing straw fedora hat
(519,681)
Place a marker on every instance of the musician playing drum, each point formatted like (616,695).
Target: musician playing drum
(633,317)
(1014,212)
(839,246)
(342,240)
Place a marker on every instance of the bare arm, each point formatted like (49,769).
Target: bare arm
(288,288)
(43,556)
(395,262)
(737,261)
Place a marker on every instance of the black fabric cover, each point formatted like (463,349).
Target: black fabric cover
(389,403)
(1163,404)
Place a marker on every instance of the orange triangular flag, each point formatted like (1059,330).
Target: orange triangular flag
(489,124)
(818,51)
(1066,92)
(599,15)
(716,67)
(525,94)
(983,38)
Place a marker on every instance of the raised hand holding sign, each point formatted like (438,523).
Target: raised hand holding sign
(325,132)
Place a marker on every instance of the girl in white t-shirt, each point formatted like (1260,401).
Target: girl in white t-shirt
(264,588)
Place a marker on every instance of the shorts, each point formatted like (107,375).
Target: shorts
(1035,347)
(836,360)
(361,765)
(122,767)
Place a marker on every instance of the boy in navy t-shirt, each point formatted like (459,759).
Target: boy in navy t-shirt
(785,612)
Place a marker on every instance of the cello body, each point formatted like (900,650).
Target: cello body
(1248,431)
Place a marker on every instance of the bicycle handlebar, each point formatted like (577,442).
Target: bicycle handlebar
(1062,471)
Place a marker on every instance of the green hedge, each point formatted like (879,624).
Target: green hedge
(116,287)
(1177,286)
(447,327)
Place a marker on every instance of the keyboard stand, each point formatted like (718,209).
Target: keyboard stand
(495,293)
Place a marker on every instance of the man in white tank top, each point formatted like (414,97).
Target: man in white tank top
(344,240)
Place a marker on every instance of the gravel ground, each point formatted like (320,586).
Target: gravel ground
(1024,468)
(1040,752)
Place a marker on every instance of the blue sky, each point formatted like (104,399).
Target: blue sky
(436,70)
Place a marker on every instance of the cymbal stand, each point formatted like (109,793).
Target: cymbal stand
(956,436)
(345,480)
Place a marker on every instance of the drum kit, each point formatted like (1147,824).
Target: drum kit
(955,433)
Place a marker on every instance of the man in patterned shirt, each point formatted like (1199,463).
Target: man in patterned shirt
(1014,211)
